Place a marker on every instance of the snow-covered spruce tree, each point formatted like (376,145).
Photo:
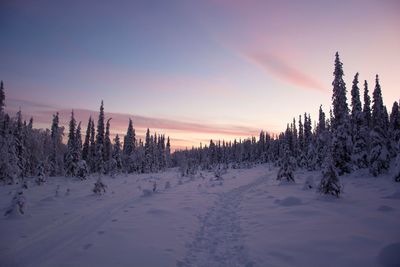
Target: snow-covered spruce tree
(286,170)
(379,155)
(92,149)
(18,204)
(86,144)
(41,174)
(20,148)
(2,98)
(99,153)
(56,161)
(322,138)
(367,106)
(99,186)
(148,152)
(128,148)
(9,170)
(116,154)
(394,128)
(71,157)
(330,184)
(397,164)
(109,162)
(341,139)
(360,146)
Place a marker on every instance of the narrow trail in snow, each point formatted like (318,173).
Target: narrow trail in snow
(219,241)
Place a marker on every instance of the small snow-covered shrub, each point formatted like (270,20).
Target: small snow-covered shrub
(167,185)
(82,170)
(18,203)
(154,186)
(41,176)
(286,170)
(99,187)
(219,170)
(330,184)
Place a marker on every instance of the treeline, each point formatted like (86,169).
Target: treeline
(29,152)
(362,136)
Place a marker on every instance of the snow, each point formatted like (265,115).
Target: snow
(246,218)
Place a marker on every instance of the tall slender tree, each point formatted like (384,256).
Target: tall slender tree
(341,143)
(379,155)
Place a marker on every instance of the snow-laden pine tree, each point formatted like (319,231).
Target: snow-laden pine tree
(148,152)
(41,174)
(168,153)
(99,152)
(341,137)
(322,138)
(330,184)
(285,172)
(116,154)
(379,158)
(128,149)
(109,163)
(92,149)
(2,97)
(397,163)
(394,128)
(71,157)
(56,159)
(86,144)
(358,129)
(9,170)
(367,106)
(20,148)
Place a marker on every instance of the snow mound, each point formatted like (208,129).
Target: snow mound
(389,256)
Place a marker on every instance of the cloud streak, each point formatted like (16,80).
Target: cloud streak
(284,70)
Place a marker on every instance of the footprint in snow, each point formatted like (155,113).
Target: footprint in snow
(100,232)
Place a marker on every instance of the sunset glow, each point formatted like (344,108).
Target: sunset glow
(193,70)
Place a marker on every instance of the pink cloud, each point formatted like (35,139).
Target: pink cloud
(284,70)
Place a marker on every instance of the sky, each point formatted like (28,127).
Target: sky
(193,70)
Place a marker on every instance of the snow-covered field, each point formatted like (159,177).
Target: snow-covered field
(247,219)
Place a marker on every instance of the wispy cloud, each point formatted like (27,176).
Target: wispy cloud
(284,70)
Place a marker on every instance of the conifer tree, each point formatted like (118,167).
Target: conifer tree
(341,139)
(286,170)
(360,147)
(116,155)
(2,99)
(20,145)
(367,106)
(129,148)
(168,153)
(148,152)
(92,149)
(71,157)
(108,145)
(379,155)
(330,184)
(394,128)
(86,144)
(99,158)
